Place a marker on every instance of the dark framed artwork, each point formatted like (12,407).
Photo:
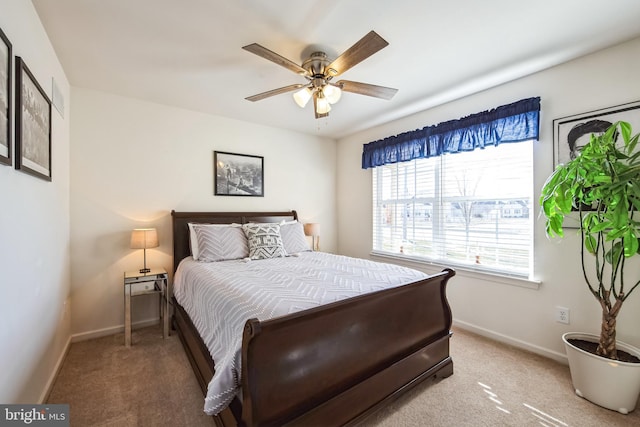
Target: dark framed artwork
(33,124)
(5,99)
(238,174)
(572,132)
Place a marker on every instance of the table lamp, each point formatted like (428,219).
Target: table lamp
(313,229)
(143,238)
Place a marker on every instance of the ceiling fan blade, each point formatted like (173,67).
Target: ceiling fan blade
(273,92)
(274,57)
(367,89)
(364,48)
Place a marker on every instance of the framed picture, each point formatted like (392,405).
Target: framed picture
(33,125)
(238,174)
(5,99)
(571,133)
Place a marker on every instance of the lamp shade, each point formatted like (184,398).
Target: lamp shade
(144,238)
(312,229)
(302,97)
(332,93)
(322,105)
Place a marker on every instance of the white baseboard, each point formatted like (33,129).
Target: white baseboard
(559,357)
(83,336)
(52,378)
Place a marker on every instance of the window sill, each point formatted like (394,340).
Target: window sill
(465,271)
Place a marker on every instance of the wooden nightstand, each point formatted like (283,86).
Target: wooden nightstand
(155,281)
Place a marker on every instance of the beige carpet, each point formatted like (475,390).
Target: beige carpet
(498,385)
(151,384)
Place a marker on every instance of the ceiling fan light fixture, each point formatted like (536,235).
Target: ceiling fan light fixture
(302,97)
(332,93)
(322,104)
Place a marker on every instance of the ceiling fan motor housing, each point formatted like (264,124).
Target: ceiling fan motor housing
(316,65)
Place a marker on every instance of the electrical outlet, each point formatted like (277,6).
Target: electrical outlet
(562,315)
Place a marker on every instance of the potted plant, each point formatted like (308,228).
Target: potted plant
(602,184)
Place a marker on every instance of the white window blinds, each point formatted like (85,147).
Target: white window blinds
(470,208)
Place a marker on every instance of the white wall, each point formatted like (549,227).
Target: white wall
(518,315)
(132,162)
(34,234)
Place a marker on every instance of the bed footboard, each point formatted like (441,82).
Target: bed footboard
(336,364)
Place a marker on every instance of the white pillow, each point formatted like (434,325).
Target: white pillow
(264,240)
(293,238)
(217,242)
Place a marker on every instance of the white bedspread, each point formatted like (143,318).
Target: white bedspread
(221,296)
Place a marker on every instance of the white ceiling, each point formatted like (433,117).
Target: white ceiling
(188,53)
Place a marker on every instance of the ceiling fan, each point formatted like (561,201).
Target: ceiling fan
(319,70)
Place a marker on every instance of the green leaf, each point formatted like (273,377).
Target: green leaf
(564,201)
(590,244)
(555,222)
(630,244)
(597,226)
(616,233)
(608,135)
(625,130)
(632,145)
(547,206)
(614,254)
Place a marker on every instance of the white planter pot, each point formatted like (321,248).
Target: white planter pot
(609,383)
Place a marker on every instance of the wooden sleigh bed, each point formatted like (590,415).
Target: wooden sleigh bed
(403,332)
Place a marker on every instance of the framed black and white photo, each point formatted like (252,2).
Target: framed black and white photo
(571,133)
(33,124)
(5,99)
(238,174)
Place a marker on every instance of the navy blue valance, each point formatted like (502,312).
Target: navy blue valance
(519,121)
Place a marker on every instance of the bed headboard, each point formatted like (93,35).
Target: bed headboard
(180,220)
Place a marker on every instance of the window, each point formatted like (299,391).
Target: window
(469,209)
(459,192)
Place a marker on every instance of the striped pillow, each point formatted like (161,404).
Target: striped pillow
(219,242)
(293,237)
